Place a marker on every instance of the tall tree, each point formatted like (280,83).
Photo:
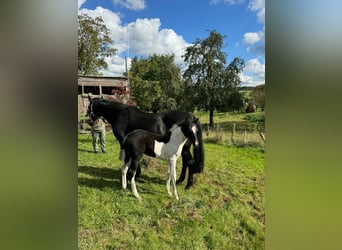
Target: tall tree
(93,45)
(258,96)
(155,82)
(212,80)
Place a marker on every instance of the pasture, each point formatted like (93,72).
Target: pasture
(225,209)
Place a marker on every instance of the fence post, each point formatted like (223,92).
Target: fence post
(245,138)
(233,134)
(262,135)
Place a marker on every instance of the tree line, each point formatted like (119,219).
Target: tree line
(208,82)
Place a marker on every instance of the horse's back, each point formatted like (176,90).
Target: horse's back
(175,117)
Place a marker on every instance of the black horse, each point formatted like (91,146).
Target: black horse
(124,119)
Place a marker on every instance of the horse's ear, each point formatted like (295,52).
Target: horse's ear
(89,97)
(195,121)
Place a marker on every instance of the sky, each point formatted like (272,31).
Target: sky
(145,27)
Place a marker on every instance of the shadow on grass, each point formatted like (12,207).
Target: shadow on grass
(98,183)
(108,177)
(103,177)
(86,150)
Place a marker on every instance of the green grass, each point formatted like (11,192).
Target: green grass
(224,210)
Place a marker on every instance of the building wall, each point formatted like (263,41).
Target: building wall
(98,86)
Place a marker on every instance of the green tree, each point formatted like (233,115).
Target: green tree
(93,45)
(232,98)
(258,96)
(213,81)
(155,83)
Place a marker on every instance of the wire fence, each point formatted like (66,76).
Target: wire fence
(238,134)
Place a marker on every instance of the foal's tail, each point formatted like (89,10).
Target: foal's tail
(199,151)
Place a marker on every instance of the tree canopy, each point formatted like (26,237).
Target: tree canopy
(214,83)
(155,83)
(94,44)
(258,96)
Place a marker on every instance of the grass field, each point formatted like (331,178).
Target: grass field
(224,210)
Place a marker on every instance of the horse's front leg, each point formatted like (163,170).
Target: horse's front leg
(190,178)
(119,135)
(173,163)
(186,157)
(183,172)
(134,188)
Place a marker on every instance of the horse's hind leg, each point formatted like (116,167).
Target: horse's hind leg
(124,170)
(134,188)
(134,166)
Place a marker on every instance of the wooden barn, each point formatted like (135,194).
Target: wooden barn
(115,88)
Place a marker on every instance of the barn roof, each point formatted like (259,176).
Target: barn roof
(104,81)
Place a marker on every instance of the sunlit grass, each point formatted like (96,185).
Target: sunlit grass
(224,210)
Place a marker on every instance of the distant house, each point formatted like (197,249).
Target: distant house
(115,88)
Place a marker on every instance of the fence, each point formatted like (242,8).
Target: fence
(239,134)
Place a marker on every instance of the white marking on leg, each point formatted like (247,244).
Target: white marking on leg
(124,170)
(168,180)
(134,188)
(173,177)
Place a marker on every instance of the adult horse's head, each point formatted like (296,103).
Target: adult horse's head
(189,129)
(93,110)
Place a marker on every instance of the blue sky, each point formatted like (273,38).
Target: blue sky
(145,27)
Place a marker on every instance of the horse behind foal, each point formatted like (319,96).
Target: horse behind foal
(124,119)
(167,146)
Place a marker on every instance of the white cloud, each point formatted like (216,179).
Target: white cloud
(256,40)
(143,37)
(146,38)
(229,2)
(255,67)
(259,6)
(253,73)
(80,3)
(252,37)
(131,4)
(249,81)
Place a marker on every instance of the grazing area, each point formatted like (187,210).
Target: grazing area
(224,209)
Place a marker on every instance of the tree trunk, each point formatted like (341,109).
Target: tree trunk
(211,118)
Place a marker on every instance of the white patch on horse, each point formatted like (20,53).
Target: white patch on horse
(194,130)
(165,151)
(158,148)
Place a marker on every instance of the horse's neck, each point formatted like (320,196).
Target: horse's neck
(111,114)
